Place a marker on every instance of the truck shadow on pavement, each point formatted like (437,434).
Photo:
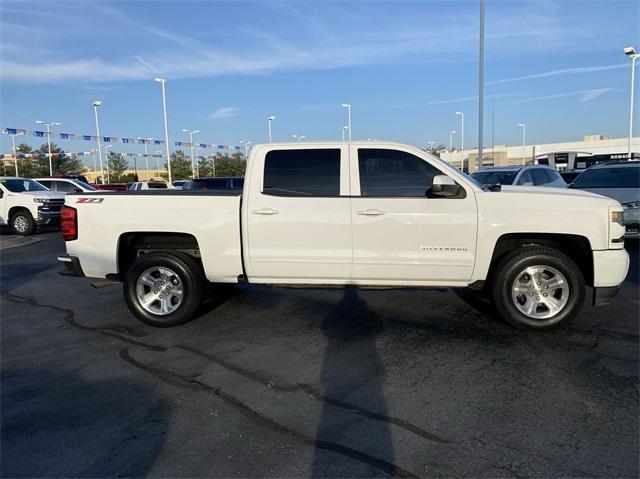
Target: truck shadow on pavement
(351,362)
(59,424)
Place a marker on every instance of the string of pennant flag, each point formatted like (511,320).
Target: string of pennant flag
(89,153)
(114,139)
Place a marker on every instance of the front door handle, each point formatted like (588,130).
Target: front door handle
(370,212)
(265,211)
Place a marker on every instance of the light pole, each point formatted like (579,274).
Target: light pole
(481,88)
(95,167)
(95,105)
(348,107)
(299,138)
(269,120)
(193,165)
(158,156)
(163,82)
(107,154)
(48,125)
(145,141)
(15,152)
(631,53)
(451,133)
(524,138)
(344,131)
(430,145)
(461,113)
(246,147)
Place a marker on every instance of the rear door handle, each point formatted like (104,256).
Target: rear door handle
(370,212)
(265,211)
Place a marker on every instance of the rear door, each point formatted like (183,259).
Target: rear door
(401,232)
(298,215)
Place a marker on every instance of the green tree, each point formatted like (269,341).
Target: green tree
(25,165)
(117,166)
(230,165)
(205,167)
(61,164)
(180,166)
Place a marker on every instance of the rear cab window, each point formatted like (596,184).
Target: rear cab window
(302,172)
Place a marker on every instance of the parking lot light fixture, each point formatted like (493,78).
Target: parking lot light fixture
(524,139)
(344,131)
(163,82)
(106,147)
(631,53)
(348,107)
(146,141)
(193,164)
(269,120)
(96,104)
(15,152)
(49,124)
(451,133)
(461,113)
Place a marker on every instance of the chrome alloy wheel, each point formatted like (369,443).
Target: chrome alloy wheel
(540,292)
(159,290)
(21,224)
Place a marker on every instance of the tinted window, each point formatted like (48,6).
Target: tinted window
(65,186)
(48,184)
(302,172)
(539,177)
(525,178)
(18,185)
(495,177)
(394,173)
(208,184)
(157,185)
(238,182)
(610,177)
(551,175)
(86,186)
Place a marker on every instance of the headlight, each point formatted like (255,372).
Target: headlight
(39,200)
(617,217)
(631,205)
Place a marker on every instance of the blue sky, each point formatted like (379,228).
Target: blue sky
(405,66)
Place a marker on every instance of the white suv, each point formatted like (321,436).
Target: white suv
(65,185)
(25,203)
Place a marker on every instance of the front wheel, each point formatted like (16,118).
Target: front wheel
(164,289)
(23,223)
(538,288)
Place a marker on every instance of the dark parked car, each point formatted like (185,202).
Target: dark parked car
(570,175)
(228,184)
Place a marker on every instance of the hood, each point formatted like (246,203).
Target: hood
(623,195)
(548,191)
(53,195)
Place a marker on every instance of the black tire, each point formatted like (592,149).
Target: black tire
(510,268)
(23,223)
(192,282)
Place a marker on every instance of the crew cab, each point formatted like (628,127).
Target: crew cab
(25,204)
(353,213)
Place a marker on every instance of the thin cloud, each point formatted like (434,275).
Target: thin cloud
(223,113)
(459,100)
(585,95)
(151,66)
(563,72)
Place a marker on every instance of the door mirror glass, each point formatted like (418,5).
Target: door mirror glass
(444,185)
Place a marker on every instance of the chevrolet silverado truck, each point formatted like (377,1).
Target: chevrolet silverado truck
(25,204)
(360,213)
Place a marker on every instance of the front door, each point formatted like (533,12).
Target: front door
(299,217)
(401,232)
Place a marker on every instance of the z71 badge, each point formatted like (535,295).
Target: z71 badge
(89,200)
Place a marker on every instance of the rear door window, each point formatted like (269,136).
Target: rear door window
(302,172)
(525,178)
(48,184)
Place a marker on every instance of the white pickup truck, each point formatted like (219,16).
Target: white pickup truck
(360,213)
(25,204)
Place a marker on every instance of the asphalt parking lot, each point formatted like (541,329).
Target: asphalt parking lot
(275,382)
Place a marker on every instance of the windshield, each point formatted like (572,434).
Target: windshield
(495,177)
(84,185)
(610,177)
(19,185)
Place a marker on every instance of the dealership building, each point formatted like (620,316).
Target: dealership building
(562,156)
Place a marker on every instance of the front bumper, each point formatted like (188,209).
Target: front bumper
(47,217)
(610,268)
(72,266)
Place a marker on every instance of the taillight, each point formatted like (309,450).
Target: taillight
(69,223)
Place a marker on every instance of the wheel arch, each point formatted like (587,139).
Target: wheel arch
(577,247)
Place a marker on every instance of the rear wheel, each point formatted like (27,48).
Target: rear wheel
(164,289)
(23,223)
(538,288)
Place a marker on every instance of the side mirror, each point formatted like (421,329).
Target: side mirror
(444,186)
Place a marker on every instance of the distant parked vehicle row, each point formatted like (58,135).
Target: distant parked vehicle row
(620,181)
(229,184)
(149,185)
(65,185)
(25,204)
(537,175)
